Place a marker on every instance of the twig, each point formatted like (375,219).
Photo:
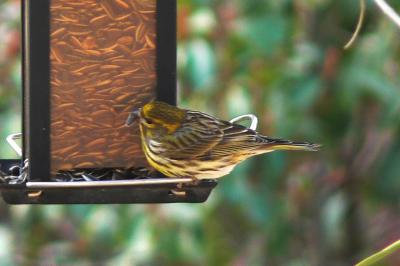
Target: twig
(380,254)
(386,9)
(389,11)
(359,25)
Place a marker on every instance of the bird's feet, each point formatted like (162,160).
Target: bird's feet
(195,182)
(179,191)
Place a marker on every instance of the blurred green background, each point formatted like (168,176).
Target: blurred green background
(283,61)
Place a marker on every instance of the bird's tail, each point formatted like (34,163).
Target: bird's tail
(280,144)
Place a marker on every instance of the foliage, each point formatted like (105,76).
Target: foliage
(283,61)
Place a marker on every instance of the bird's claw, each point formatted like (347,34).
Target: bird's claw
(179,191)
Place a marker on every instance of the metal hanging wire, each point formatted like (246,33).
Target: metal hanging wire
(21,170)
(11,139)
(251,117)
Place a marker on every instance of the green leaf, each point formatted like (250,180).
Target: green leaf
(201,65)
(265,33)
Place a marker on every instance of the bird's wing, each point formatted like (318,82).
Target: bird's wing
(237,139)
(198,135)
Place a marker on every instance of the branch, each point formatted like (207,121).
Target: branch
(386,9)
(359,25)
(380,254)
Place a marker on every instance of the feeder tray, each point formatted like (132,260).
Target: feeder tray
(86,65)
(140,190)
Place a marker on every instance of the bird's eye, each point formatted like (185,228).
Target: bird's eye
(148,121)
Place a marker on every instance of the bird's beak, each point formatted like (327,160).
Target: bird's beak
(132,117)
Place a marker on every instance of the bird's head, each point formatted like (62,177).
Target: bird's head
(157,118)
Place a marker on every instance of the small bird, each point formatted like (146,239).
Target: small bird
(183,143)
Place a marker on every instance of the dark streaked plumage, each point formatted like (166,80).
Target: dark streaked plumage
(184,143)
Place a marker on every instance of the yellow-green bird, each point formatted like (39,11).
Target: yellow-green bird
(183,143)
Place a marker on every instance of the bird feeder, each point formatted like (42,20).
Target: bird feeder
(86,65)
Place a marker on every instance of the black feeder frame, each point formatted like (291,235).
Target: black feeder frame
(34,184)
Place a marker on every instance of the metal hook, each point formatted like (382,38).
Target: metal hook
(11,139)
(19,178)
(253,118)
(23,174)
